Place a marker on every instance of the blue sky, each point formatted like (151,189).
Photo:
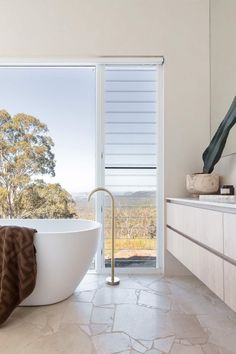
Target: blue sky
(64,99)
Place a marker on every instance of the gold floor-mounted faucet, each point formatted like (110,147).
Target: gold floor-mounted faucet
(112,280)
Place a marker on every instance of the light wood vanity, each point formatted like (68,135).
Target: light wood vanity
(202,236)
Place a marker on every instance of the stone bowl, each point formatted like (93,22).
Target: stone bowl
(202,183)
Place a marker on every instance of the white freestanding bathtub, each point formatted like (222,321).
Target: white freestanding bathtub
(65,249)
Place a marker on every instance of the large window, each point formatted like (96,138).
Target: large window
(47,141)
(65,130)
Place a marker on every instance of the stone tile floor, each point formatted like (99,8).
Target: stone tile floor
(144,314)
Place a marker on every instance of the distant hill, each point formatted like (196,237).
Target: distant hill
(127,199)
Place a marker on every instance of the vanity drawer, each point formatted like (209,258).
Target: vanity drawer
(230,285)
(205,265)
(230,235)
(202,225)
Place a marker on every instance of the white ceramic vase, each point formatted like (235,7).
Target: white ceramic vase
(202,183)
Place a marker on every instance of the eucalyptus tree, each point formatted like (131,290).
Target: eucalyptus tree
(25,151)
(46,200)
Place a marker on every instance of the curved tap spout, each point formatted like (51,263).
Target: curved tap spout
(110,280)
(101,189)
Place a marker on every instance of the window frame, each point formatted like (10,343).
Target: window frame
(98,63)
(100,168)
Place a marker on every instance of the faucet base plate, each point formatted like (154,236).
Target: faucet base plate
(110,282)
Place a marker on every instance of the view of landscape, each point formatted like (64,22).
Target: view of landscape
(47,165)
(135,228)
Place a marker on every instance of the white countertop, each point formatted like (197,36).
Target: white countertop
(216,205)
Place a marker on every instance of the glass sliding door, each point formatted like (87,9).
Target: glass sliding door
(130,163)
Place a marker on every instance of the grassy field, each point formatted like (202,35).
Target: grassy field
(127,245)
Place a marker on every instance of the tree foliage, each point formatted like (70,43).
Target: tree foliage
(45,200)
(26,152)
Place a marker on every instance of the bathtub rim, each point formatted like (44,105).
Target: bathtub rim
(94,225)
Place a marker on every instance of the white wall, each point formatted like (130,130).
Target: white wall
(178,30)
(223,59)
(223,78)
(226,168)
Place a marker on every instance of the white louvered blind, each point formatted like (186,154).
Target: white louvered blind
(130,127)
(130,108)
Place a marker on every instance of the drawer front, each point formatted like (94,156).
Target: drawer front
(205,265)
(230,285)
(205,226)
(230,235)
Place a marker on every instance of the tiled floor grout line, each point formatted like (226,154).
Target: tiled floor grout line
(129,312)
